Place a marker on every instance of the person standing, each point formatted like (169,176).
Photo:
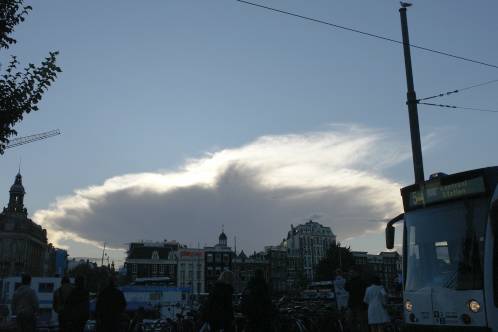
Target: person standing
(59,303)
(219,307)
(341,295)
(256,304)
(356,287)
(375,297)
(110,307)
(78,306)
(25,306)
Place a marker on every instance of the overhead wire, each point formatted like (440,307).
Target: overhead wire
(449,107)
(368,34)
(458,90)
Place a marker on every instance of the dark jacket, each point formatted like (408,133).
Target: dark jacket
(356,288)
(256,304)
(78,305)
(219,308)
(110,307)
(60,298)
(24,303)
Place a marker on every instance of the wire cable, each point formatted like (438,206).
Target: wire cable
(458,90)
(368,34)
(460,107)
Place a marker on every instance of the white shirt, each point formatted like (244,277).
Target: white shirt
(375,297)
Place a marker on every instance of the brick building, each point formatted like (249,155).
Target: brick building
(23,243)
(152,260)
(217,259)
(244,269)
(386,265)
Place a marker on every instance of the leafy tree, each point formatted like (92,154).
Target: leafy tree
(20,91)
(96,277)
(336,257)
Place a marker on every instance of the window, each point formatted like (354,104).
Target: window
(209,258)
(45,287)
(210,271)
(217,258)
(226,259)
(154,268)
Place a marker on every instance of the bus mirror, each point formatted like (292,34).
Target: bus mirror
(389,236)
(390,231)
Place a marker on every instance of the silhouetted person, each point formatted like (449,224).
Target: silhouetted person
(136,324)
(341,295)
(110,306)
(59,304)
(256,304)
(356,287)
(25,306)
(78,306)
(219,308)
(375,297)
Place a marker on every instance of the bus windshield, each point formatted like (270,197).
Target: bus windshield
(445,245)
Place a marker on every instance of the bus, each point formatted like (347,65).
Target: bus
(450,252)
(44,288)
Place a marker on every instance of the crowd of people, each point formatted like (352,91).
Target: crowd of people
(362,303)
(72,305)
(365,305)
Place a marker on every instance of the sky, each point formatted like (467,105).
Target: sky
(178,117)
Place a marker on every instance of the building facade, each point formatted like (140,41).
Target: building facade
(277,258)
(308,243)
(217,259)
(60,262)
(23,243)
(191,269)
(244,269)
(386,265)
(152,260)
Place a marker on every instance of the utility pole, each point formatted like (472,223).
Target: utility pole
(411,100)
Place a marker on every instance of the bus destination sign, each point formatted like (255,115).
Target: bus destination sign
(435,192)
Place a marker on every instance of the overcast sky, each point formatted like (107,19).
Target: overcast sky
(181,116)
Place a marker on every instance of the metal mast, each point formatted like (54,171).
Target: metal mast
(411,100)
(31,138)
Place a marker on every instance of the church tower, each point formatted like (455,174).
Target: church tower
(16,200)
(222,239)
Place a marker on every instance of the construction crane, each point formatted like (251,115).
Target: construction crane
(31,138)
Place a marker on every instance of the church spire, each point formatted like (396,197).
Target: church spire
(16,200)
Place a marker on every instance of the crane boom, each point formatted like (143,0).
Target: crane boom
(32,138)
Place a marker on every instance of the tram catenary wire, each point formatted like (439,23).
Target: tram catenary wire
(447,93)
(453,107)
(368,34)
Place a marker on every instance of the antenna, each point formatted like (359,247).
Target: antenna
(103,253)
